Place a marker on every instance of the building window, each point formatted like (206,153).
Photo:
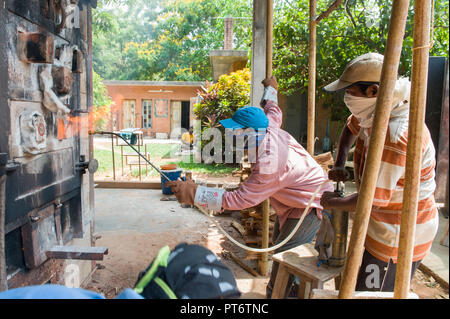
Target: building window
(162,108)
(146,113)
(129,114)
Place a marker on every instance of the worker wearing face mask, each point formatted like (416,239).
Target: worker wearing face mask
(281,169)
(360,80)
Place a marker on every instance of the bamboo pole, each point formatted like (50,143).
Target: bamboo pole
(311,78)
(264,261)
(376,145)
(419,77)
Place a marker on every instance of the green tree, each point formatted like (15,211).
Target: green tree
(355,28)
(101,103)
(165,40)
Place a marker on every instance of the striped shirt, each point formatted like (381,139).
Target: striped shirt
(384,226)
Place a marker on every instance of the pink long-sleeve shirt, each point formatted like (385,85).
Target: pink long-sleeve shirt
(283,171)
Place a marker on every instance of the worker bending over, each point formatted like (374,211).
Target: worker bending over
(360,80)
(282,171)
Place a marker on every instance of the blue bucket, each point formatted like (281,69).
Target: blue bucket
(173,174)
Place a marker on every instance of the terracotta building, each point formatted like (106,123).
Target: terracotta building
(158,108)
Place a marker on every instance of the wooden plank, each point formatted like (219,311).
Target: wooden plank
(306,266)
(281,281)
(77,252)
(251,255)
(127,184)
(304,289)
(239,228)
(243,265)
(333,294)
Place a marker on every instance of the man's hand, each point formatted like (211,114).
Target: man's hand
(330,200)
(338,174)
(184,191)
(272,81)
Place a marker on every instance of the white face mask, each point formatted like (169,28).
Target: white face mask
(361,107)
(248,138)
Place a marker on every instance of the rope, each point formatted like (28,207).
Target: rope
(263,250)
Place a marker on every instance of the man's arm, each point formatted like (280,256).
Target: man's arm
(346,140)
(269,102)
(332,200)
(253,191)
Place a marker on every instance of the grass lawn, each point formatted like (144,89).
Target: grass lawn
(160,154)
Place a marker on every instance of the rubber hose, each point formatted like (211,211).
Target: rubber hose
(281,244)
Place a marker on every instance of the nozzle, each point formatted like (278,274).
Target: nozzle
(92,132)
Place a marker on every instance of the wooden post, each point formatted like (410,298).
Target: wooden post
(113,160)
(311,78)
(419,77)
(376,145)
(121,157)
(264,263)
(269,38)
(139,160)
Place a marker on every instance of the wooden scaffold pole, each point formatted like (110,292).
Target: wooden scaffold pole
(419,77)
(311,78)
(382,112)
(264,263)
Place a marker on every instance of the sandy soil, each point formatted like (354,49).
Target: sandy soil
(135,236)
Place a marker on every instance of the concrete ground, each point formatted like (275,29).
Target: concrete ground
(436,261)
(134,224)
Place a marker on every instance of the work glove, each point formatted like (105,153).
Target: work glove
(184,191)
(338,174)
(324,238)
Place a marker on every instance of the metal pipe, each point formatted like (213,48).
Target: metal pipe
(376,144)
(339,221)
(419,77)
(150,163)
(113,158)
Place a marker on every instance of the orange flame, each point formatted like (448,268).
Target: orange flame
(83,123)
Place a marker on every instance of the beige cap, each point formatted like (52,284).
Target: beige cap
(365,68)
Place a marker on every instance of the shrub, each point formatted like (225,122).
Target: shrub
(220,100)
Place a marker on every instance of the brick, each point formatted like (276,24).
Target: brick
(35,47)
(62,79)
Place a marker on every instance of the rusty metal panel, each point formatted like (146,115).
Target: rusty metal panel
(39,235)
(46,80)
